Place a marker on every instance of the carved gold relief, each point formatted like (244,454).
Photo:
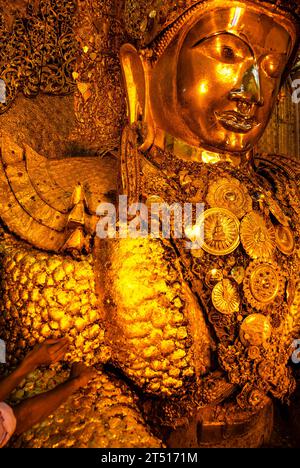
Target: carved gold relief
(38,53)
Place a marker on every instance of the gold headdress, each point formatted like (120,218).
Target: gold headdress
(148,20)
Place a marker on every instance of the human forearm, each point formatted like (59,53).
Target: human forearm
(36,409)
(47,353)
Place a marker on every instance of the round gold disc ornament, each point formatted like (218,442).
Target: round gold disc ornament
(229,193)
(285,240)
(263,283)
(225,297)
(220,231)
(255,330)
(257,236)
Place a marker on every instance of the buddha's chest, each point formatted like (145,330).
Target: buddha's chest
(242,261)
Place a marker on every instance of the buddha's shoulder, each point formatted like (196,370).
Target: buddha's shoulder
(38,194)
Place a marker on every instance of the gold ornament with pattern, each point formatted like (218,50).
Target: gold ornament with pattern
(221,231)
(277,211)
(255,330)
(229,193)
(257,236)
(285,240)
(263,283)
(225,297)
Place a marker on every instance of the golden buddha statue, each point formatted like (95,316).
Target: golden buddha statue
(190,344)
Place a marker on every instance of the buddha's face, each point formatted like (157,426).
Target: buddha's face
(229,71)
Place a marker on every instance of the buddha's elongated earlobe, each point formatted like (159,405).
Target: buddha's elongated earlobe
(136,75)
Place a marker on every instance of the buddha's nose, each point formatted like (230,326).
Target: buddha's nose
(249,89)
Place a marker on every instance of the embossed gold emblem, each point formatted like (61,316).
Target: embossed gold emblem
(221,231)
(257,236)
(225,297)
(255,330)
(229,193)
(263,283)
(285,240)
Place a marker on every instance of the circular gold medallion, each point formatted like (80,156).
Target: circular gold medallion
(263,283)
(257,236)
(229,193)
(285,240)
(225,297)
(220,231)
(255,330)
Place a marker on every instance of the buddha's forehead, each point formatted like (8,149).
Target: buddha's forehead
(260,30)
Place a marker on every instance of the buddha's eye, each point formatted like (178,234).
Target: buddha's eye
(273,64)
(228,53)
(224,47)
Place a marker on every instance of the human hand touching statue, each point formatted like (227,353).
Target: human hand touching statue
(81,374)
(47,353)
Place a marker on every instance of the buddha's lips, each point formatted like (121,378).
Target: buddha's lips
(237,122)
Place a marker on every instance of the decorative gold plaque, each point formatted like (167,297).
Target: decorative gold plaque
(257,236)
(229,193)
(221,231)
(225,297)
(263,283)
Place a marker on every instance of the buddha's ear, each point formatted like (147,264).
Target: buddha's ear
(136,75)
(134,79)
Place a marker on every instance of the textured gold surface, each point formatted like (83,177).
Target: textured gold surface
(154,330)
(39,193)
(50,295)
(277,211)
(103,415)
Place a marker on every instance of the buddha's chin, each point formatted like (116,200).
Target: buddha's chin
(230,145)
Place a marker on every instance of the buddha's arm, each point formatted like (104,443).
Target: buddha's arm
(154,324)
